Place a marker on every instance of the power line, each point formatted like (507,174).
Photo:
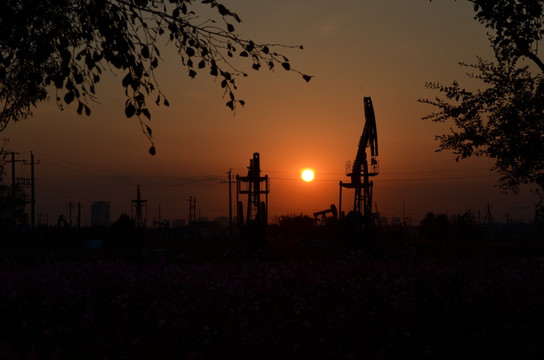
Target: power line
(400,180)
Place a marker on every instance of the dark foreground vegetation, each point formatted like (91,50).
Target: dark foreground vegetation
(410,296)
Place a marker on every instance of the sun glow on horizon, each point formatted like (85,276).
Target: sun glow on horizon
(307,175)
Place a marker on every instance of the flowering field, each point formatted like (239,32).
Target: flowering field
(344,307)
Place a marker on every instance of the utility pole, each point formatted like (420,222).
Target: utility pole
(13,194)
(403,214)
(190,200)
(78,216)
(192,209)
(159,213)
(230,177)
(70,207)
(192,216)
(32,190)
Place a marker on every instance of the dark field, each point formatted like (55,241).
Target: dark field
(302,299)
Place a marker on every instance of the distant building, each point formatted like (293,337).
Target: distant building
(100,213)
(384,220)
(395,220)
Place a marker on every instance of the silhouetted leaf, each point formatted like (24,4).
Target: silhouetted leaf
(201,64)
(286,66)
(80,108)
(223,83)
(148,130)
(145,52)
(244,54)
(130,110)
(127,80)
(222,9)
(146,113)
(59,81)
(256,66)
(69,97)
(242,102)
(166,103)
(230,28)
(89,62)
(78,77)
(87,110)
(214,71)
(230,104)
(192,73)
(190,51)
(152,150)
(135,83)
(65,55)
(270,65)
(307,77)
(266,50)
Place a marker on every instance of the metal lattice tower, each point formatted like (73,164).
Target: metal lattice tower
(255,186)
(138,204)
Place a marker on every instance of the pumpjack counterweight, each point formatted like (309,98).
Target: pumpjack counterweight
(360,171)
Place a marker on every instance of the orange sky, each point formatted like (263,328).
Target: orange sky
(382,49)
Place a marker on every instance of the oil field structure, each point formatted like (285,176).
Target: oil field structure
(360,221)
(252,226)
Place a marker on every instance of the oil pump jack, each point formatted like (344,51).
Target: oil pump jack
(253,230)
(360,171)
(332,210)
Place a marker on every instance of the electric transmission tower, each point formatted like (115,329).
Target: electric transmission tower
(138,205)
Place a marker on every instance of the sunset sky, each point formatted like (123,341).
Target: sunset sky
(385,49)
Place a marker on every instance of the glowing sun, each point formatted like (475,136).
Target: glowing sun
(307,175)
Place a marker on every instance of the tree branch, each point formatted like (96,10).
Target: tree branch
(535,59)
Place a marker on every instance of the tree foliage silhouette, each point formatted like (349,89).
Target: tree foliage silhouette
(505,119)
(64,46)
(8,202)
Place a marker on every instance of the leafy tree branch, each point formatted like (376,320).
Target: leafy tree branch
(504,120)
(68,44)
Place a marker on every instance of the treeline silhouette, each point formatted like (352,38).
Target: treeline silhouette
(289,236)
